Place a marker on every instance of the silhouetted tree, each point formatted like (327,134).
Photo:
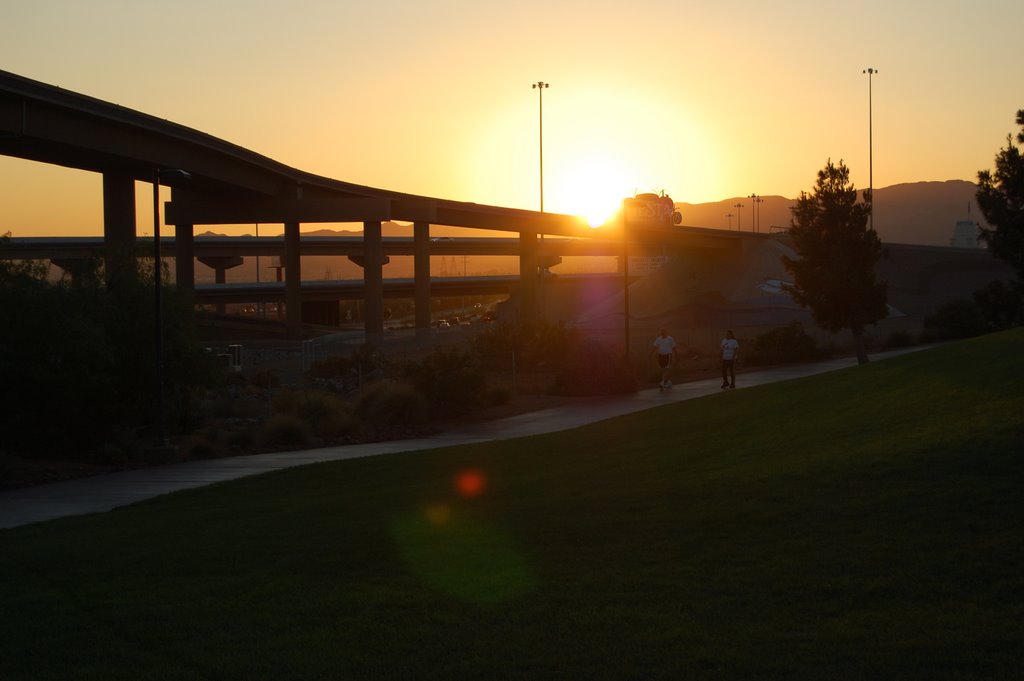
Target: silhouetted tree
(1001,199)
(1001,305)
(77,357)
(835,274)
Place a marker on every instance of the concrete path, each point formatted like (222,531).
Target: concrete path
(106,492)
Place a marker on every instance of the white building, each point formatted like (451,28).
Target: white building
(965,235)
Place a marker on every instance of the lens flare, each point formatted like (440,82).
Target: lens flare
(470,483)
(439,514)
(466,556)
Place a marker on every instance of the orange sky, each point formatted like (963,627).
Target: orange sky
(703,101)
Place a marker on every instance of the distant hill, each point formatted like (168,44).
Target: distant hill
(386,229)
(923,213)
(318,267)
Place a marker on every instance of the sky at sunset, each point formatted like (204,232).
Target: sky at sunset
(705,101)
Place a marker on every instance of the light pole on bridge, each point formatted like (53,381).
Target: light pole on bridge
(540,86)
(756,210)
(871,180)
(158,341)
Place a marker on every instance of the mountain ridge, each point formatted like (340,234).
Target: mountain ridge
(920,213)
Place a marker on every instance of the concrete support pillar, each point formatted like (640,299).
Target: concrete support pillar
(220,265)
(70,265)
(184,259)
(184,256)
(421,273)
(278,268)
(118,223)
(292,281)
(373,282)
(529,260)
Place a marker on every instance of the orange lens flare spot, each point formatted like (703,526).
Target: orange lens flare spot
(470,483)
(439,514)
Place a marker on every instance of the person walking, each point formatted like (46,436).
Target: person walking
(665,350)
(730,350)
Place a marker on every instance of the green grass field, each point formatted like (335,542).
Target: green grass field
(864,524)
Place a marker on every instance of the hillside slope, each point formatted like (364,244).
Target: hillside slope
(923,213)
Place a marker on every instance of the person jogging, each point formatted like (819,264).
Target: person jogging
(730,350)
(665,350)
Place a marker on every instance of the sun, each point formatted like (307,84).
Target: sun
(592,187)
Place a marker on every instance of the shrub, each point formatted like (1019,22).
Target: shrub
(286,431)
(550,346)
(498,394)
(226,406)
(64,343)
(326,414)
(287,401)
(200,445)
(331,367)
(899,339)
(240,440)
(1001,305)
(535,347)
(262,380)
(956,319)
(387,403)
(363,365)
(451,380)
(337,424)
(496,345)
(784,345)
(55,357)
(309,405)
(594,369)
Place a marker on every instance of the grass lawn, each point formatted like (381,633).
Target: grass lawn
(864,524)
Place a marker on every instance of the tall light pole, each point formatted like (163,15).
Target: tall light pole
(871,179)
(757,201)
(729,216)
(627,205)
(158,341)
(539,86)
(739,216)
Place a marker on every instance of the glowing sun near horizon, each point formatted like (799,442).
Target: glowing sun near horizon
(592,187)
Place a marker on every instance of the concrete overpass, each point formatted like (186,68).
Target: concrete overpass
(232,185)
(55,248)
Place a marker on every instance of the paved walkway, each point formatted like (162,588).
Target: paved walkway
(102,493)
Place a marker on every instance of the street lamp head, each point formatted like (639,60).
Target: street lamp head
(172,174)
(870,71)
(540,84)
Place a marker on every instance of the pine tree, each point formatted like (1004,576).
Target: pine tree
(835,273)
(1001,199)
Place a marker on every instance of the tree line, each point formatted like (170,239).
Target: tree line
(834,273)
